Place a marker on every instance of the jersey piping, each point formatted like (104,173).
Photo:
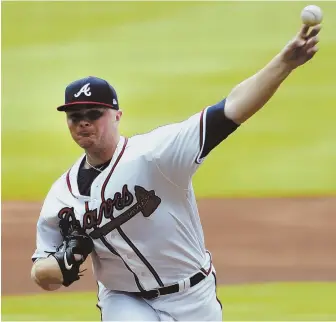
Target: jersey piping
(114,166)
(113,251)
(121,232)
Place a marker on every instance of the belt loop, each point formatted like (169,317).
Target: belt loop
(187,284)
(181,285)
(184,284)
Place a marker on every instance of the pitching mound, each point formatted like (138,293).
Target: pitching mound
(251,240)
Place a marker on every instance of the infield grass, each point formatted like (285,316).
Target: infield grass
(167,60)
(258,302)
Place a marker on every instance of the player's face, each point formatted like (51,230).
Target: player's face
(92,128)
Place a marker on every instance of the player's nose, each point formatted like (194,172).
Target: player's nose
(84,123)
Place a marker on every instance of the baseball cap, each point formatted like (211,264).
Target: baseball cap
(90,91)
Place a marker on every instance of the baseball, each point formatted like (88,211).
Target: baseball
(311,15)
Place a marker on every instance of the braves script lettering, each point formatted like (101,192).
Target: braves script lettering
(146,203)
(67,214)
(93,218)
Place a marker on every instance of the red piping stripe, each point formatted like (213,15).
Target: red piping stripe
(122,234)
(97,305)
(201,131)
(207,272)
(201,136)
(68,183)
(219,302)
(114,166)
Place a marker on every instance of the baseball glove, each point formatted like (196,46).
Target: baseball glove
(74,250)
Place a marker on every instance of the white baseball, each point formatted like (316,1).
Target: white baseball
(311,15)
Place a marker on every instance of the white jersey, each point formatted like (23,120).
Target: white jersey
(141,212)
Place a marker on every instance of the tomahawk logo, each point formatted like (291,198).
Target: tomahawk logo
(146,203)
(85,90)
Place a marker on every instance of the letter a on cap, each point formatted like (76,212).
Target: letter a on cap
(85,90)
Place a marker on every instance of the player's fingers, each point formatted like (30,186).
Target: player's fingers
(315,30)
(312,51)
(312,42)
(303,36)
(298,42)
(303,32)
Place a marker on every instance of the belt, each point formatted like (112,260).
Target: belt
(152,294)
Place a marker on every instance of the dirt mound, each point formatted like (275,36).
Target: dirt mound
(251,240)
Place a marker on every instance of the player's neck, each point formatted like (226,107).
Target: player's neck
(97,156)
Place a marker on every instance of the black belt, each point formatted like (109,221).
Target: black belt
(152,294)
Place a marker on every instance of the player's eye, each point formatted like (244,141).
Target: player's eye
(75,117)
(94,115)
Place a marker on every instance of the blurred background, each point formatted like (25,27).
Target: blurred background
(266,195)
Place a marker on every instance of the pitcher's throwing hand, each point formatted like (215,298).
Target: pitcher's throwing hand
(302,48)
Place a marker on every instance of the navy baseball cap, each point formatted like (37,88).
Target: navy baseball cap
(89,91)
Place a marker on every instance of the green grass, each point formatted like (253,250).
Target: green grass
(259,302)
(167,61)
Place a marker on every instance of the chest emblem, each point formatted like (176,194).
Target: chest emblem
(146,203)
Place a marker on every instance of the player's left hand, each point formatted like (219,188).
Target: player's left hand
(302,48)
(73,251)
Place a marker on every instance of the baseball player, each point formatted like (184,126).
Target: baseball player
(129,202)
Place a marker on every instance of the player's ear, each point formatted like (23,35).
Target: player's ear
(118,115)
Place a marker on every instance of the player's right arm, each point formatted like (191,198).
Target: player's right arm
(252,94)
(46,274)
(61,245)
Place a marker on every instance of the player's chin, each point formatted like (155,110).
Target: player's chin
(85,142)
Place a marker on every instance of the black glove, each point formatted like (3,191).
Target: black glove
(75,242)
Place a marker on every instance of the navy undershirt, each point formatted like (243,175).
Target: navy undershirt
(86,177)
(217,127)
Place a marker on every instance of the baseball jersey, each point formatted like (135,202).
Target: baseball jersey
(141,212)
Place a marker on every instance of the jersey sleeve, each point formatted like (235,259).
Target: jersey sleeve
(48,235)
(182,147)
